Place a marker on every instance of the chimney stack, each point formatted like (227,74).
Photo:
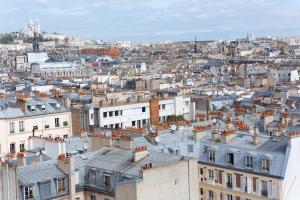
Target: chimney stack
(255,136)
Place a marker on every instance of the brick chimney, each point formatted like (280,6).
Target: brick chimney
(139,153)
(21,159)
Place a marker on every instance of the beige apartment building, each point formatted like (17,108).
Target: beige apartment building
(31,116)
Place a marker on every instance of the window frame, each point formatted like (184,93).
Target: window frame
(28,192)
(60,185)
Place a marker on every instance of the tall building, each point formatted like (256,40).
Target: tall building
(195,46)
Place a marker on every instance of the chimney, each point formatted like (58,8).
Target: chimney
(21,103)
(227,136)
(214,135)
(255,136)
(152,137)
(21,159)
(293,121)
(139,153)
(266,118)
(100,140)
(285,119)
(67,165)
(199,132)
(121,140)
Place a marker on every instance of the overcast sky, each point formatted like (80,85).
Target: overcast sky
(155,20)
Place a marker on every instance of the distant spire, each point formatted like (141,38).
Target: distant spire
(195,46)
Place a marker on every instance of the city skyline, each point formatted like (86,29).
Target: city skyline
(155,20)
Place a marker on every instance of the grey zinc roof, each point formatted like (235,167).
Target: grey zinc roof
(120,160)
(39,172)
(15,112)
(242,145)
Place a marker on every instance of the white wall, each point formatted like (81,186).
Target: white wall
(291,183)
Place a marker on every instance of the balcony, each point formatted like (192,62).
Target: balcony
(211,181)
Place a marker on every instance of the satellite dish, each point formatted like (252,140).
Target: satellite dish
(157,139)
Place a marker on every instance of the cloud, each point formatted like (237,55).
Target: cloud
(182,32)
(155,19)
(42,1)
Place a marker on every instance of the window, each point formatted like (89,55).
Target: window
(229,197)
(211,155)
(264,188)
(201,191)
(21,126)
(43,108)
(238,178)
(93,178)
(46,126)
(65,123)
(266,165)
(32,108)
(11,127)
(163,106)
(60,185)
(12,148)
(143,109)
(211,174)
(92,116)
(230,158)
(104,114)
(201,171)
(28,192)
(110,113)
(211,194)
(249,162)
(186,103)
(106,181)
(116,113)
(56,122)
(35,127)
(121,112)
(229,181)
(93,197)
(133,123)
(22,147)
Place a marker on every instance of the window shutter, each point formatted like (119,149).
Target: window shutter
(254,183)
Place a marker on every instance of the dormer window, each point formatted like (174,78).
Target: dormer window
(28,192)
(93,177)
(249,162)
(106,180)
(32,108)
(211,155)
(230,158)
(57,106)
(43,108)
(266,165)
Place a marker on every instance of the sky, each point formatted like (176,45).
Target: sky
(155,20)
